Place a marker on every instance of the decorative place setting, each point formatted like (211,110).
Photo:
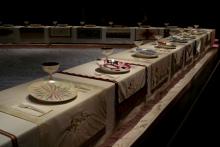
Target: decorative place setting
(186,33)
(145,53)
(165,45)
(112,66)
(51,90)
(178,39)
(188,36)
(56,92)
(198,32)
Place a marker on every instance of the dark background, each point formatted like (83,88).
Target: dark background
(155,13)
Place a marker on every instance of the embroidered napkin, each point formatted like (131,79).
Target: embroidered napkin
(32,109)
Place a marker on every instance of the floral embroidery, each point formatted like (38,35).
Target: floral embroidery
(77,120)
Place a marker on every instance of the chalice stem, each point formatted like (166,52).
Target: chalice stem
(50,77)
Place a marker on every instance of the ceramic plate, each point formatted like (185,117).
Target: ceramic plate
(113,66)
(178,39)
(146,53)
(52,91)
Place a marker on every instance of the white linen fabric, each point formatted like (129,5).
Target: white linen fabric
(73,123)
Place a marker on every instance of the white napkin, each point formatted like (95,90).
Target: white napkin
(32,109)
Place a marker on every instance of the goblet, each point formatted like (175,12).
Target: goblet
(111,23)
(55,23)
(26,23)
(138,43)
(196,26)
(181,31)
(190,29)
(82,23)
(158,37)
(107,51)
(166,24)
(50,68)
(139,24)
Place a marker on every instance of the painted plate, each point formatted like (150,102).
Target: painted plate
(178,39)
(52,91)
(113,66)
(146,53)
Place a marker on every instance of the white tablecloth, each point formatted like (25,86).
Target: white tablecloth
(71,123)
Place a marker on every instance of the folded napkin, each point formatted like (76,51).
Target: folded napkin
(32,109)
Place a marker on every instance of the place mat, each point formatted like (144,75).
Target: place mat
(113,66)
(95,78)
(20,114)
(119,95)
(31,109)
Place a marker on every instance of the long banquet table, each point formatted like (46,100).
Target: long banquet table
(100,97)
(154,124)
